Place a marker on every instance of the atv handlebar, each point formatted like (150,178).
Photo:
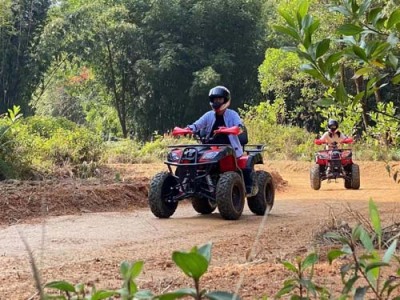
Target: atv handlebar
(181,131)
(347,140)
(235,130)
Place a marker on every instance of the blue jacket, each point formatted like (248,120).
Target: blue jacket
(231,118)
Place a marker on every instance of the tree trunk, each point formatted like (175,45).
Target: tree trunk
(359,88)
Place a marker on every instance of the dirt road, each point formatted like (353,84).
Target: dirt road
(85,246)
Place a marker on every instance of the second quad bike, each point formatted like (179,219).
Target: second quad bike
(334,163)
(211,176)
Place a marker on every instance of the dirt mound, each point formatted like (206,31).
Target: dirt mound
(31,199)
(278,181)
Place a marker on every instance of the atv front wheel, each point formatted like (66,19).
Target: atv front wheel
(230,195)
(355,177)
(203,205)
(347,183)
(315,177)
(262,203)
(162,189)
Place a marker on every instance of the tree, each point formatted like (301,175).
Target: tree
(366,50)
(21,68)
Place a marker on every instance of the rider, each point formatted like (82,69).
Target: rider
(222,116)
(333,135)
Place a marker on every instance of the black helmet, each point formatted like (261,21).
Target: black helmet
(219,92)
(333,125)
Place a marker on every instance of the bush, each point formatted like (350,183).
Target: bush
(37,144)
(283,142)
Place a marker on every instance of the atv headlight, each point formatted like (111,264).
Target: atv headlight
(173,156)
(209,155)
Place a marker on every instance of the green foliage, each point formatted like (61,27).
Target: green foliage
(279,71)
(6,123)
(370,263)
(365,44)
(302,285)
(362,273)
(193,263)
(387,126)
(38,144)
(22,63)
(263,123)
(132,151)
(348,117)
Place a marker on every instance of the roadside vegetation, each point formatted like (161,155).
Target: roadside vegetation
(84,84)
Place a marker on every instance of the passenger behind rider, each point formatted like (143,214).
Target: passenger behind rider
(222,116)
(333,135)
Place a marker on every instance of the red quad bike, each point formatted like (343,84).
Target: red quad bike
(211,176)
(335,163)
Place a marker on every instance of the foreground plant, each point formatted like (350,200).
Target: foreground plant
(366,262)
(301,284)
(193,263)
(362,276)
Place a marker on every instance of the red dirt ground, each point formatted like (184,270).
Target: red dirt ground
(81,230)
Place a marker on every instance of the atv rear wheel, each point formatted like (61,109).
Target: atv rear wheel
(203,205)
(315,177)
(162,189)
(230,195)
(355,176)
(262,203)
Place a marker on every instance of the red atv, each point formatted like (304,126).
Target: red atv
(335,163)
(211,176)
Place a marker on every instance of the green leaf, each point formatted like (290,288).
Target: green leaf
(136,269)
(220,295)
(144,294)
(313,27)
(289,266)
(349,29)
(381,50)
(304,55)
(341,94)
(178,294)
(366,240)
(61,285)
(288,18)
(322,47)
(374,216)
(364,7)
(349,284)
(285,290)
(325,102)
(389,252)
(360,293)
(288,31)
(392,60)
(373,15)
(333,254)
(394,18)
(193,265)
(360,52)
(303,8)
(205,250)
(333,58)
(362,72)
(310,260)
(103,295)
(375,265)
(396,79)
